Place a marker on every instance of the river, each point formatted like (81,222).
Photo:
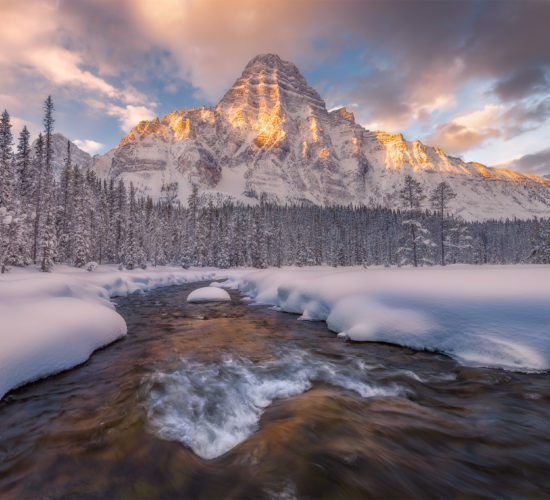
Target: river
(233,400)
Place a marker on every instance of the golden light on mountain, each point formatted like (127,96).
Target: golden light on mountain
(181,128)
(314,130)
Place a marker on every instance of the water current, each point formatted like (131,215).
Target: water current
(233,400)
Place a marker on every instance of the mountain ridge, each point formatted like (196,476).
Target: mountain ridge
(272,135)
(59,146)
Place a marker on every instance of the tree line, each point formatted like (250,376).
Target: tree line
(79,219)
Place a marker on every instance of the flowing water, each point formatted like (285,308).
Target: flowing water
(231,400)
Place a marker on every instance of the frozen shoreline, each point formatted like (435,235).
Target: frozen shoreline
(490,316)
(50,322)
(493,316)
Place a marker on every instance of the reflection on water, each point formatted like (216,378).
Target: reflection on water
(239,401)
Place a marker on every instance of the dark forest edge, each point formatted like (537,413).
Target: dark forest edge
(80,219)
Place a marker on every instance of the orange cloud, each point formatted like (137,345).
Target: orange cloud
(468,131)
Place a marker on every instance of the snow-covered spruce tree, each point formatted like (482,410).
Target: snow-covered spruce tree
(24,167)
(440,198)
(48,122)
(16,251)
(24,189)
(121,222)
(66,202)
(193,215)
(540,246)
(162,227)
(37,194)
(415,249)
(101,236)
(416,237)
(111,254)
(224,230)
(134,255)
(49,242)
(458,242)
(13,224)
(130,260)
(7,174)
(7,181)
(81,230)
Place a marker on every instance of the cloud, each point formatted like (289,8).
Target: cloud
(482,119)
(534,163)
(423,50)
(129,116)
(62,67)
(43,50)
(525,115)
(522,83)
(468,131)
(455,138)
(30,38)
(19,123)
(412,61)
(88,145)
(493,121)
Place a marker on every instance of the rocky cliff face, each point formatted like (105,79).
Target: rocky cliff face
(272,135)
(59,144)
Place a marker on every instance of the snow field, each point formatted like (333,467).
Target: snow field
(50,322)
(492,316)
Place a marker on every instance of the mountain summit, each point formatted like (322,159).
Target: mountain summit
(272,135)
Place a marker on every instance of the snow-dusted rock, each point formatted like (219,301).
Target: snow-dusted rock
(208,294)
(271,134)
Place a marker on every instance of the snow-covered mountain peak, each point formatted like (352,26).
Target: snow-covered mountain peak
(342,114)
(271,135)
(268,93)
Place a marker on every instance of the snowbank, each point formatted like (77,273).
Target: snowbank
(50,322)
(208,294)
(494,316)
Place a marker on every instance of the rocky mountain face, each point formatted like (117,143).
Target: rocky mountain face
(272,135)
(59,144)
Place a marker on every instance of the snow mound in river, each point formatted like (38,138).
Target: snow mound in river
(208,294)
(50,322)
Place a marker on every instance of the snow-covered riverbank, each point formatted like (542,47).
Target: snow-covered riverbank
(50,322)
(493,316)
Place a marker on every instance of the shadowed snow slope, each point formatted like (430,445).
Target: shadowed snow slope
(52,322)
(494,316)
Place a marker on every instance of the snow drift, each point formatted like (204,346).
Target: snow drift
(494,316)
(52,322)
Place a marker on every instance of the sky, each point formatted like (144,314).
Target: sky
(472,77)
